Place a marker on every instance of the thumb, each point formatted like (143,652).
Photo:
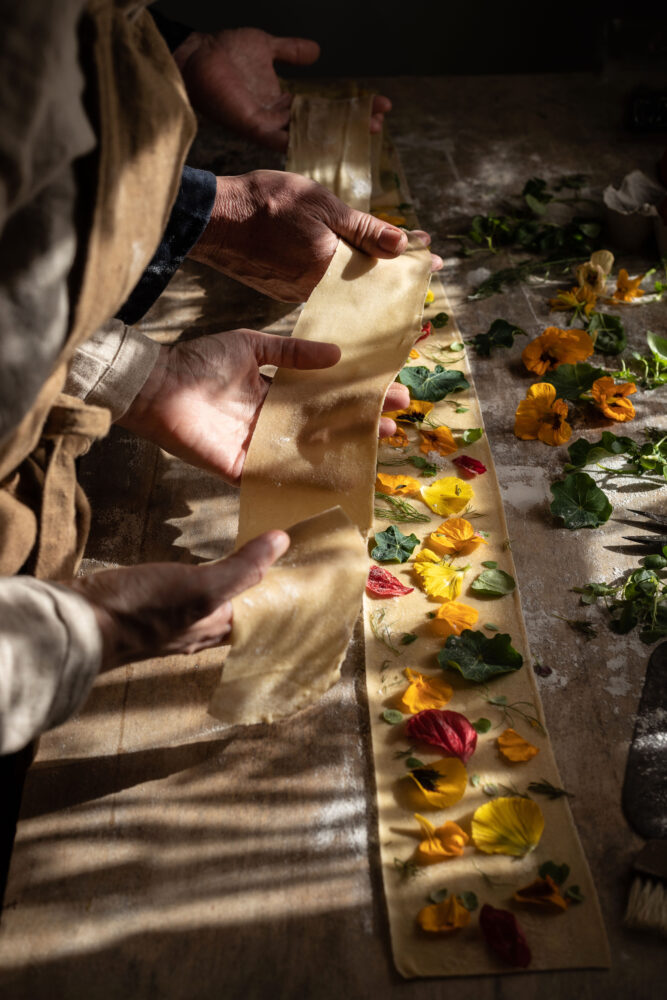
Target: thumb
(298,51)
(369,234)
(245,568)
(292,352)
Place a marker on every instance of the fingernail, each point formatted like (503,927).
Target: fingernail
(279,542)
(391,239)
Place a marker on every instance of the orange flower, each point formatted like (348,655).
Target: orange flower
(452,617)
(541,416)
(424,692)
(412,414)
(393,486)
(444,917)
(441,440)
(393,220)
(627,288)
(397,440)
(440,843)
(611,398)
(542,892)
(581,298)
(455,537)
(413,354)
(514,748)
(555,347)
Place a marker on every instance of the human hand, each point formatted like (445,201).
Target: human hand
(202,399)
(230,78)
(158,609)
(278,231)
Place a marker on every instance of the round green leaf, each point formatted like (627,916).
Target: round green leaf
(579,502)
(493,583)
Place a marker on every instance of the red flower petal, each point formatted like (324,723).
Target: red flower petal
(381,583)
(448,731)
(469,465)
(426,332)
(504,936)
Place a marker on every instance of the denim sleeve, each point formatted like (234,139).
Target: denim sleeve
(188,220)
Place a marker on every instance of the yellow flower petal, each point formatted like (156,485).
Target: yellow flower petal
(507,826)
(440,440)
(440,843)
(401,486)
(447,496)
(513,747)
(627,288)
(452,618)
(397,440)
(441,783)
(393,220)
(424,692)
(429,297)
(444,917)
(436,577)
(414,413)
(455,536)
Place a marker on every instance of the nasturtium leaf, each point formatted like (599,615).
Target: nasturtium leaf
(479,658)
(570,381)
(391,716)
(580,502)
(557,872)
(482,725)
(490,564)
(393,546)
(500,334)
(657,344)
(607,333)
(471,435)
(440,319)
(469,900)
(432,386)
(583,452)
(493,583)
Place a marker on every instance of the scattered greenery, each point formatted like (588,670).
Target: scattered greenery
(638,601)
(392,716)
(408,869)
(419,462)
(398,510)
(471,435)
(432,386)
(510,711)
(478,658)
(440,319)
(648,371)
(493,583)
(558,873)
(482,726)
(579,502)
(407,638)
(544,787)
(580,625)
(501,333)
(490,564)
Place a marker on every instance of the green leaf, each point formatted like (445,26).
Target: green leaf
(407,638)
(579,502)
(657,344)
(478,658)
(491,627)
(500,334)
(427,468)
(571,381)
(414,762)
(471,435)
(461,409)
(440,319)
(552,792)
(392,716)
(393,546)
(469,900)
(475,780)
(557,872)
(583,452)
(493,583)
(438,895)
(490,564)
(457,346)
(607,333)
(432,386)
(573,894)
(482,725)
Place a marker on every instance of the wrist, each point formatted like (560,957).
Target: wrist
(233,206)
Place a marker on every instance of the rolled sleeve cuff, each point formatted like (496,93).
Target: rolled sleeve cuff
(188,220)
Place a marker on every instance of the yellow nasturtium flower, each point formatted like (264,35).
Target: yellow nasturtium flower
(627,288)
(440,440)
(508,825)
(437,578)
(424,692)
(455,537)
(447,496)
(429,298)
(397,486)
(581,298)
(513,747)
(541,415)
(440,843)
(444,917)
(452,618)
(414,413)
(611,399)
(555,347)
(441,783)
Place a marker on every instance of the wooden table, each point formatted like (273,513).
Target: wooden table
(160,856)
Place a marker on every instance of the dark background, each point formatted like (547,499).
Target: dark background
(414,37)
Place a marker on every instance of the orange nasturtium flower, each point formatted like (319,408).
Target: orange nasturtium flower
(514,748)
(444,917)
(541,416)
(441,440)
(611,398)
(397,440)
(441,783)
(452,618)
(455,537)
(437,577)
(412,414)
(555,347)
(397,486)
(413,354)
(627,288)
(424,692)
(581,298)
(543,892)
(441,842)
